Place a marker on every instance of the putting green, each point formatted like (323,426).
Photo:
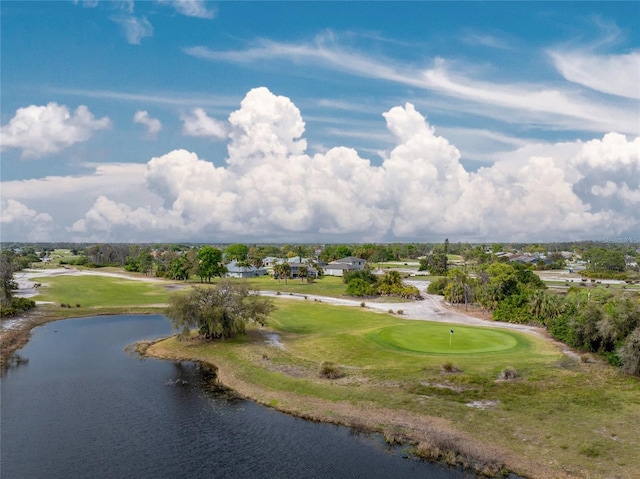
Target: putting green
(437,338)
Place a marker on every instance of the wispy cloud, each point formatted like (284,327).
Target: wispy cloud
(491,41)
(559,106)
(166,98)
(134,28)
(191,8)
(613,74)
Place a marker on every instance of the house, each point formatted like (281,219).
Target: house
(342,266)
(236,271)
(295,268)
(269,261)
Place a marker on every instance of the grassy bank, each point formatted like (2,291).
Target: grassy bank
(558,418)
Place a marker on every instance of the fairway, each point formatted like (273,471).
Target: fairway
(438,339)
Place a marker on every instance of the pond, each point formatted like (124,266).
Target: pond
(84,407)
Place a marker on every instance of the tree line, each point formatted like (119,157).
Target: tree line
(592,319)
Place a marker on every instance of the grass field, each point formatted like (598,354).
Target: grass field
(325,286)
(100,291)
(558,416)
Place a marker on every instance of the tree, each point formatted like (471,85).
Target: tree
(178,269)
(238,252)
(7,283)
(219,312)
(303,272)
(210,263)
(435,263)
(605,260)
(281,270)
(145,261)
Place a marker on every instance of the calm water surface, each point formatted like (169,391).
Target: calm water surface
(83,408)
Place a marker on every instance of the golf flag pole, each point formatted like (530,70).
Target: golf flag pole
(450,336)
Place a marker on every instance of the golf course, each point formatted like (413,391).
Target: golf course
(449,387)
(489,399)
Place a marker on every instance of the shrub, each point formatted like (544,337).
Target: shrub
(589,451)
(437,286)
(359,287)
(449,367)
(629,353)
(329,370)
(508,374)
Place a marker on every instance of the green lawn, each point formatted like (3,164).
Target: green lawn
(359,338)
(436,338)
(326,286)
(100,291)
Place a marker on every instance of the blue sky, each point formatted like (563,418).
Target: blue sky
(320,121)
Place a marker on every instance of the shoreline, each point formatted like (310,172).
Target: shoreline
(431,438)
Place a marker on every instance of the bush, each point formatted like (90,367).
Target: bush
(17,306)
(449,367)
(329,370)
(629,353)
(508,374)
(437,286)
(359,287)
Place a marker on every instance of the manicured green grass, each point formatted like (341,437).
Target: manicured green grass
(359,338)
(100,291)
(436,338)
(326,286)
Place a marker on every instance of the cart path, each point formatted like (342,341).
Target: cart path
(430,308)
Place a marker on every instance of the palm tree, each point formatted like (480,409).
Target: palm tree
(303,272)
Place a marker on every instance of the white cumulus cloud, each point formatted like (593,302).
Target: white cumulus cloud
(18,220)
(271,189)
(153,124)
(40,130)
(198,123)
